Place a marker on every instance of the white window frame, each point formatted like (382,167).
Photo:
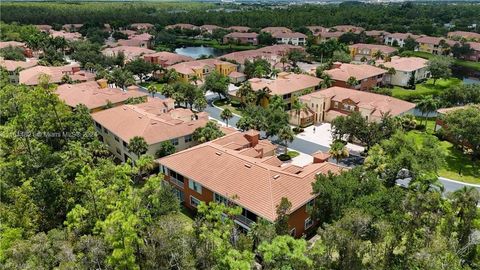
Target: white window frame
(293,232)
(307,223)
(194,199)
(193,185)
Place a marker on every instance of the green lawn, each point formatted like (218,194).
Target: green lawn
(224,104)
(424,89)
(463,63)
(187,216)
(458,166)
(293,154)
(157,84)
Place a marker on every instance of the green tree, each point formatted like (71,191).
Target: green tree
(12,53)
(166,148)
(427,105)
(463,125)
(285,252)
(217,83)
(352,81)
(121,78)
(210,131)
(338,150)
(283,211)
(137,145)
(439,67)
(226,115)
(286,135)
(152,89)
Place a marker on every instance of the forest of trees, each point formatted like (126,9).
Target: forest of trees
(417,18)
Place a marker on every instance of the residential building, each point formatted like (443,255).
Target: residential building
(156,121)
(405,68)
(182,26)
(469,36)
(70,36)
(442,112)
(272,30)
(141,26)
(348,28)
(14,67)
(242,29)
(398,39)
(44,27)
(130,52)
(209,28)
(435,45)
(15,44)
(237,77)
(366,76)
(72,27)
(287,85)
(364,52)
(201,68)
(475,55)
(317,29)
(324,36)
(377,35)
(241,38)
(96,95)
(325,105)
(166,59)
(292,38)
(137,40)
(241,169)
(31,75)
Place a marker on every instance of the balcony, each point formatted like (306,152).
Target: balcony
(176,182)
(244,220)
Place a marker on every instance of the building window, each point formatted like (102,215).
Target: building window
(308,223)
(125,144)
(118,151)
(105,130)
(195,186)
(98,125)
(293,232)
(175,141)
(220,199)
(177,178)
(117,139)
(194,201)
(188,138)
(309,206)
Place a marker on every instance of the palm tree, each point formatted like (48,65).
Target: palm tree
(259,72)
(298,107)
(327,80)
(152,89)
(243,92)
(352,81)
(167,90)
(286,135)
(226,115)
(378,55)
(283,60)
(274,73)
(338,150)
(262,94)
(426,105)
(144,164)
(194,78)
(137,145)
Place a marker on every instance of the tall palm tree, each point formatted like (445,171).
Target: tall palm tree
(137,145)
(283,60)
(286,135)
(274,73)
(327,80)
(243,92)
(352,81)
(426,105)
(262,94)
(298,107)
(338,150)
(259,72)
(226,115)
(378,55)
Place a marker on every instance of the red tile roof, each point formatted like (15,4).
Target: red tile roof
(360,72)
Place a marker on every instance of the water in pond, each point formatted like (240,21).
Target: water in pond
(197,52)
(468,75)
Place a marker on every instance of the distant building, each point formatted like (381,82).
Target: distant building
(141,26)
(137,40)
(209,28)
(15,44)
(31,75)
(241,29)
(292,38)
(182,26)
(96,95)
(156,121)
(367,76)
(70,36)
(14,67)
(272,30)
(469,36)
(398,39)
(166,59)
(348,28)
(201,68)
(363,51)
(405,68)
(130,52)
(241,38)
(435,45)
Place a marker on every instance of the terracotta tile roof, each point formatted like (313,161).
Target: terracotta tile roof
(383,48)
(239,28)
(434,40)
(317,28)
(348,28)
(72,36)
(141,25)
(182,26)
(474,45)
(464,34)
(44,27)
(360,72)
(241,35)
(188,67)
(209,27)
(11,65)
(329,34)
(236,74)
(402,35)
(374,33)
(280,34)
(269,53)
(130,52)
(30,76)
(150,120)
(91,95)
(407,64)
(5,44)
(285,84)
(378,104)
(128,32)
(452,109)
(257,183)
(272,30)
(169,58)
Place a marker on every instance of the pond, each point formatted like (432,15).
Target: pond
(198,51)
(467,75)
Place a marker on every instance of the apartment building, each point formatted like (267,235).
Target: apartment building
(15,44)
(31,75)
(469,36)
(361,51)
(377,35)
(325,105)
(287,85)
(435,45)
(96,95)
(348,28)
(475,55)
(130,52)
(366,76)
(14,67)
(137,40)
(241,38)
(166,59)
(182,26)
(242,29)
(141,26)
(209,28)
(201,68)
(292,38)
(70,36)
(275,29)
(324,36)
(398,39)
(405,68)
(156,121)
(241,169)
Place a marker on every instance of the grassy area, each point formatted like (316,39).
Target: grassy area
(428,122)
(214,43)
(463,63)
(187,216)
(293,154)
(458,166)
(424,89)
(225,104)
(157,84)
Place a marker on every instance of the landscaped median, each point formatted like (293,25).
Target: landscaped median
(226,104)
(457,166)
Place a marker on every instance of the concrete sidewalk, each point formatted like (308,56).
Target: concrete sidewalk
(323,136)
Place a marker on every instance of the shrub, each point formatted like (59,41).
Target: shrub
(235,103)
(297,130)
(284,157)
